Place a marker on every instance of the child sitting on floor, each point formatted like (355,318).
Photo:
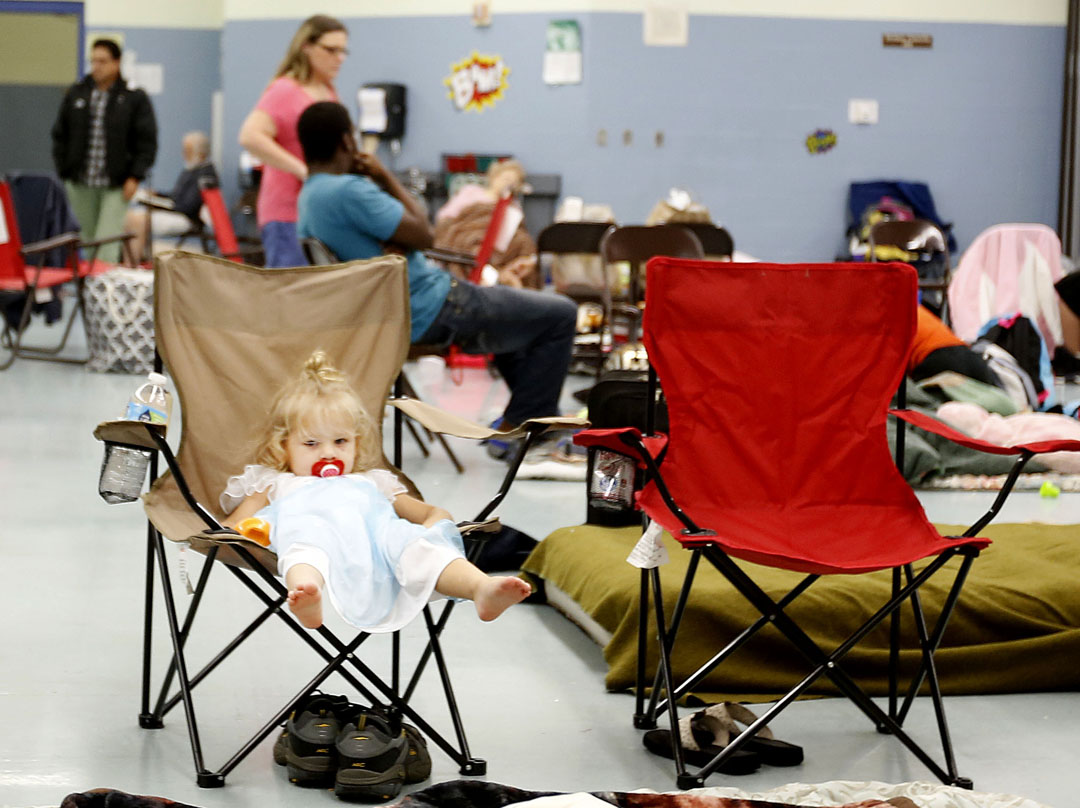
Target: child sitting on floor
(338,522)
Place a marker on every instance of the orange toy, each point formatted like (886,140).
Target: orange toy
(258,530)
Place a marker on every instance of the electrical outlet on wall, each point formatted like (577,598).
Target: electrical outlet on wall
(862,110)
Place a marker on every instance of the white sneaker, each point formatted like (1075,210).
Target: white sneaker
(553,460)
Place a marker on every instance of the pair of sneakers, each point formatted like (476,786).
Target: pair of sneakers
(361,751)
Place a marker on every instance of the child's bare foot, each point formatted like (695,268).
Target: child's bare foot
(306,603)
(498,594)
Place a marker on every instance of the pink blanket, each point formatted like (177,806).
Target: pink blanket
(1008,268)
(1012,430)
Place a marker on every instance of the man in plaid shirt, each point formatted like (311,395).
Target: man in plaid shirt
(104,142)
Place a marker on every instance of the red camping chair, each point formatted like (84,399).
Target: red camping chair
(777,380)
(475,264)
(228,244)
(20,280)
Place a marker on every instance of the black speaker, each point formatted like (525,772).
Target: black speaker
(394,102)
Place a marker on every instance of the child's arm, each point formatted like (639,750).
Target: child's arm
(249,507)
(419,512)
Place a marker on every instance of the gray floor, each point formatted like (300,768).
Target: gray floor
(530,684)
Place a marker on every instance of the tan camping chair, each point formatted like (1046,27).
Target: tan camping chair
(229,335)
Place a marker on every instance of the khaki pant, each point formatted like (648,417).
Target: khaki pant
(100,212)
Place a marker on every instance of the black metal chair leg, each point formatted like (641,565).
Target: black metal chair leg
(416,437)
(641,720)
(931,674)
(894,651)
(468,765)
(148,720)
(185,630)
(672,633)
(682,778)
(181,665)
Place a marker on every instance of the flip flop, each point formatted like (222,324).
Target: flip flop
(697,751)
(772,751)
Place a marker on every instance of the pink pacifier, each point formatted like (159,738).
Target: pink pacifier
(327,468)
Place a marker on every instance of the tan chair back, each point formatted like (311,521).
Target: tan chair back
(230,335)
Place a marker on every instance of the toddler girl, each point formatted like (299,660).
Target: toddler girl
(376,551)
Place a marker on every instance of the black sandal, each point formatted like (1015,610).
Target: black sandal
(699,747)
(771,750)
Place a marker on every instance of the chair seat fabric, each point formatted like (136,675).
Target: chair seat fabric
(49,277)
(830,538)
(53,276)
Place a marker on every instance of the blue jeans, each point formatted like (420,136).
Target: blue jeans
(282,245)
(530,333)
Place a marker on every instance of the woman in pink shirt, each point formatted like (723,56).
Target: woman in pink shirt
(305,76)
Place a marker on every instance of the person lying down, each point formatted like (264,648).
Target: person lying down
(342,527)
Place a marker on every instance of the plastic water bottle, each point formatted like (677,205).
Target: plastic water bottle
(123,469)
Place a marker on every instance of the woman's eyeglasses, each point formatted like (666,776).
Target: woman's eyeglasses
(333,50)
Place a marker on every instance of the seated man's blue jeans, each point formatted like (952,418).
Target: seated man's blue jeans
(530,333)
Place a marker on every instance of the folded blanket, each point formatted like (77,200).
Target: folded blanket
(479,794)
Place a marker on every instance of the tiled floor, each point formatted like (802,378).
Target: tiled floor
(530,684)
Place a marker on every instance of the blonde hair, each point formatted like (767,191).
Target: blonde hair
(319,394)
(499,166)
(295,64)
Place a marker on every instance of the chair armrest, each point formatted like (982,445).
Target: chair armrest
(935,426)
(624,440)
(62,240)
(158,204)
(235,550)
(492,525)
(107,240)
(450,256)
(438,420)
(129,433)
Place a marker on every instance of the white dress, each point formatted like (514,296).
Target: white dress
(380,570)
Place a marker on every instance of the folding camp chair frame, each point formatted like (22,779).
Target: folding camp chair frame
(773,611)
(337,654)
(906,581)
(11,338)
(186,519)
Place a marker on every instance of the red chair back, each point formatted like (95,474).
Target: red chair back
(487,246)
(224,233)
(12,266)
(778,379)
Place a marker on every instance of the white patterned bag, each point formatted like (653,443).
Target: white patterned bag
(119,308)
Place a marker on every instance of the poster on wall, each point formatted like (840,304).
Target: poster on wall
(562,57)
(666,24)
(477,82)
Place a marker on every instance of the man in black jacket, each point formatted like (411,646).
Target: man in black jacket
(104,142)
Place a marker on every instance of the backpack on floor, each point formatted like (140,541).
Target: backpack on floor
(1021,342)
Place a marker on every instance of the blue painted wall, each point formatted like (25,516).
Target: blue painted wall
(977,116)
(191,60)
